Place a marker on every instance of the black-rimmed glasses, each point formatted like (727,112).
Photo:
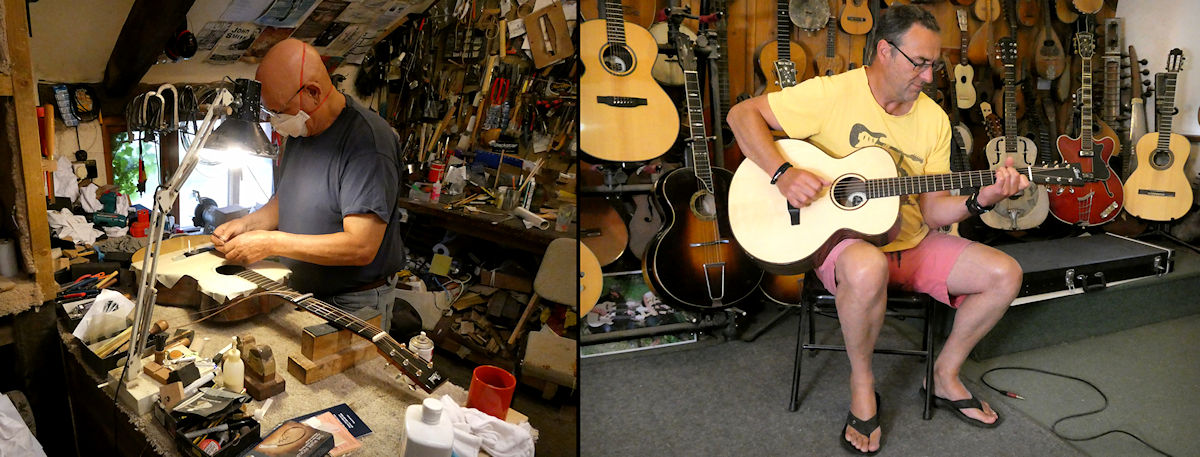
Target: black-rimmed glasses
(934,64)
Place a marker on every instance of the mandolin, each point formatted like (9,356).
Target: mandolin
(1029,12)
(1050,59)
(1088,6)
(1099,200)
(964,74)
(830,63)
(1027,209)
(624,115)
(862,201)
(987,10)
(694,261)
(856,18)
(1159,188)
(777,63)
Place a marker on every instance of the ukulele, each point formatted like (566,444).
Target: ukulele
(1028,208)
(1050,59)
(1099,200)
(856,17)
(694,261)
(1159,188)
(624,115)
(964,74)
(777,63)
(830,63)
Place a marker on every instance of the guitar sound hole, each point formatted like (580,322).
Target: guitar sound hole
(1160,159)
(617,60)
(230,270)
(849,192)
(704,206)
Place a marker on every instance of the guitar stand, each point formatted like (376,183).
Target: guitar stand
(784,311)
(1157,229)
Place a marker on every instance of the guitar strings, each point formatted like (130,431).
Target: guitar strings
(884,186)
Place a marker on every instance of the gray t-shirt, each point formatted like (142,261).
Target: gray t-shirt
(350,168)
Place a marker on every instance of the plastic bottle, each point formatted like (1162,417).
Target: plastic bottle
(426,432)
(233,371)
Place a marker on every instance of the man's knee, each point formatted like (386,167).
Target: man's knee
(862,265)
(1005,275)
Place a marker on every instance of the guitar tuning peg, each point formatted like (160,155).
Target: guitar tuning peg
(1144,62)
(1144,73)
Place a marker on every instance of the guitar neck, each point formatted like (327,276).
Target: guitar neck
(614,18)
(1112,96)
(783,30)
(1165,101)
(1010,108)
(699,137)
(830,38)
(1085,110)
(723,64)
(908,185)
(415,368)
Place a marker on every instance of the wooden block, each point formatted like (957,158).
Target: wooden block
(157,372)
(321,340)
(262,390)
(170,395)
(260,363)
(309,371)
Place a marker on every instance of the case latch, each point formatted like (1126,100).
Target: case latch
(1070,278)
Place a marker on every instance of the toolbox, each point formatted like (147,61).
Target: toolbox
(1066,266)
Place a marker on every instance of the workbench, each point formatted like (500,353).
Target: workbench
(506,231)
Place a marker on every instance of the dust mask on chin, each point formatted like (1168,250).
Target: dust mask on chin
(291,125)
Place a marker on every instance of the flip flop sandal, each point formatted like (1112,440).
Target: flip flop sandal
(957,406)
(865,427)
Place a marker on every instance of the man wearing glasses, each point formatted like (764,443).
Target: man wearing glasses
(333,218)
(882,105)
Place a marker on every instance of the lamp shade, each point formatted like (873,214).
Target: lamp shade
(240,134)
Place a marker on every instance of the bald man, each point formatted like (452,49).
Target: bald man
(333,218)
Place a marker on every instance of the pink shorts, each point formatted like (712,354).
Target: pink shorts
(924,268)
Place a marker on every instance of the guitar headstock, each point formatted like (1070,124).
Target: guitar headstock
(683,50)
(1175,60)
(1086,44)
(1064,174)
(1006,51)
(962,19)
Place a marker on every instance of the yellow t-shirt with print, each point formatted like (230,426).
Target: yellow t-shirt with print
(839,115)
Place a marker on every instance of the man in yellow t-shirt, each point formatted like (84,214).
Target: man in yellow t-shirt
(882,105)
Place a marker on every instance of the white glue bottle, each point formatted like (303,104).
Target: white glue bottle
(233,371)
(426,432)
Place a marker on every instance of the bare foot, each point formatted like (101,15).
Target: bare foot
(864,408)
(951,388)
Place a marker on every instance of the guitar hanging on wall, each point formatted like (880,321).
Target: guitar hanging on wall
(778,63)
(1026,209)
(1100,200)
(694,261)
(964,74)
(624,115)
(1159,188)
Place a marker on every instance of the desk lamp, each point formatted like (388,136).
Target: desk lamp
(239,131)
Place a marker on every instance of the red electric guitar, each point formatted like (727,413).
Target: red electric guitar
(1100,200)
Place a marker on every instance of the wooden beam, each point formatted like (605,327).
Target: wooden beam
(24,93)
(6,89)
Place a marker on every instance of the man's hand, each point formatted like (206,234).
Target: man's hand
(247,247)
(800,187)
(229,230)
(1008,182)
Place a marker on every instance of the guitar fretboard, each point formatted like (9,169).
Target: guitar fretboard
(1010,106)
(830,37)
(614,18)
(699,137)
(1086,143)
(783,30)
(907,185)
(414,367)
(1165,102)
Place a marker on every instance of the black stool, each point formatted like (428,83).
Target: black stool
(900,304)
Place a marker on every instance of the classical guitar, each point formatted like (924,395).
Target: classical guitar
(1099,200)
(1159,188)
(862,201)
(856,17)
(694,261)
(602,229)
(964,74)
(960,151)
(591,280)
(232,282)
(830,63)
(1050,59)
(1028,208)
(624,115)
(777,59)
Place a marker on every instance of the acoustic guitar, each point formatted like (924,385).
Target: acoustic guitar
(591,280)
(964,74)
(1050,59)
(666,68)
(1099,200)
(862,201)
(694,261)
(777,63)
(624,115)
(602,229)
(644,224)
(1028,208)
(856,18)
(830,63)
(1159,188)
(1126,224)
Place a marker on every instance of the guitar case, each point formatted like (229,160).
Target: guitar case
(1075,265)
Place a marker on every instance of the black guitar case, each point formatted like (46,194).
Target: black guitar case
(1084,264)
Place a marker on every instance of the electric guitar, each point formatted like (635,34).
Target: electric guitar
(694,261)
(1099,200)
(1159,188)
(964,74)
(624,115)
(862,201)
(778,63)
(1027,209)
(830,63)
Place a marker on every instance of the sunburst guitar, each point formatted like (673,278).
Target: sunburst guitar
(625,116)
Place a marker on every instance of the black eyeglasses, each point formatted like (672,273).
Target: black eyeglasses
(934,64)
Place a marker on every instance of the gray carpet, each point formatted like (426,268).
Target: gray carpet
(731,399)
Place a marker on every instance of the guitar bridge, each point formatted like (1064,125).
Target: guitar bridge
(620,102)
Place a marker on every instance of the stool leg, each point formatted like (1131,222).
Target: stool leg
(794,402)
(927,346)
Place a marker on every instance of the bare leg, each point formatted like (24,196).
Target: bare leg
(862,272)
(990,280)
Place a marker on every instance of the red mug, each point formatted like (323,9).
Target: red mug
(491,390)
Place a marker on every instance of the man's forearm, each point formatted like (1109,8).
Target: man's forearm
(334,249)
(265,218)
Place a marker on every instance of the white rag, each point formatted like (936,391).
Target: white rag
(88,199)
(66,184)
(69,226)
(15,438)
(474,428)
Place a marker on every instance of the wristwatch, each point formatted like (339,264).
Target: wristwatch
(974,207)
